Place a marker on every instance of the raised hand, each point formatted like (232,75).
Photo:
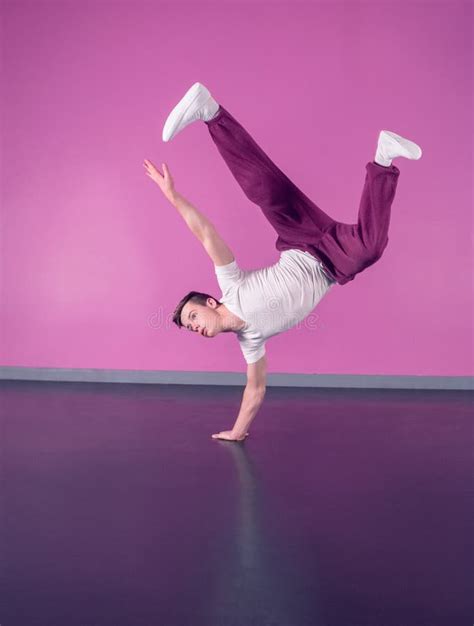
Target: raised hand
(164,181)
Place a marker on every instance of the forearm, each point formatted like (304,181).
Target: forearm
(196,221)
(251,401)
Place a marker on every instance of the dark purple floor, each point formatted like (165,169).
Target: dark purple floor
(342,508)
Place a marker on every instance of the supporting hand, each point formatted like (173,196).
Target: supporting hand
(229,435)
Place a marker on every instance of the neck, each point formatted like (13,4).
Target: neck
(230,322)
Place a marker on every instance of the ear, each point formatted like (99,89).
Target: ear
(211,303)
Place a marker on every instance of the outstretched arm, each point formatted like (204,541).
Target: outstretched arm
(198,223)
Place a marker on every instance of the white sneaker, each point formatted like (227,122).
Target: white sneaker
(196,104)
(391,145)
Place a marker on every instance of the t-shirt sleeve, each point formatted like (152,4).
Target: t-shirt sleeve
(228,275)
(252,351)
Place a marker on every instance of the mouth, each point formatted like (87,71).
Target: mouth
(204,332)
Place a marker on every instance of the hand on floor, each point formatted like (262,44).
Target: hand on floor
(228,435)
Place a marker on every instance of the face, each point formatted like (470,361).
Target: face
(202,319)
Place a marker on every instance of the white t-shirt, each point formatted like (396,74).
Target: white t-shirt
(272,299)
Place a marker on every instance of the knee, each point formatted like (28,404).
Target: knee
(375,251)
(380,247)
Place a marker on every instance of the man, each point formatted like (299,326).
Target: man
(316,251)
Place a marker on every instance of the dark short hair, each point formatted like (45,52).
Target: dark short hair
(196,296)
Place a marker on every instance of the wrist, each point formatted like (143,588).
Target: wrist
(238,434)
(172,196)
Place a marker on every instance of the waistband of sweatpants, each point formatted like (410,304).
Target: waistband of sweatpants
(328,276)
(324,270)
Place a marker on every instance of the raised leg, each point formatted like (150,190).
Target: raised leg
(296,219)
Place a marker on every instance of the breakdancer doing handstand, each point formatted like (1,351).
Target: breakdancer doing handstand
(316,251)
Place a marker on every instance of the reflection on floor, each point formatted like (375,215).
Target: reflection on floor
(342,507)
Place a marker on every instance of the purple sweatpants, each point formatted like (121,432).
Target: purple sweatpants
(344,249)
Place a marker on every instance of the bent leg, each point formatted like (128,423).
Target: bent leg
(297,220)
(347,249)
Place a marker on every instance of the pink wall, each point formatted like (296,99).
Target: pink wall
(95,260)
